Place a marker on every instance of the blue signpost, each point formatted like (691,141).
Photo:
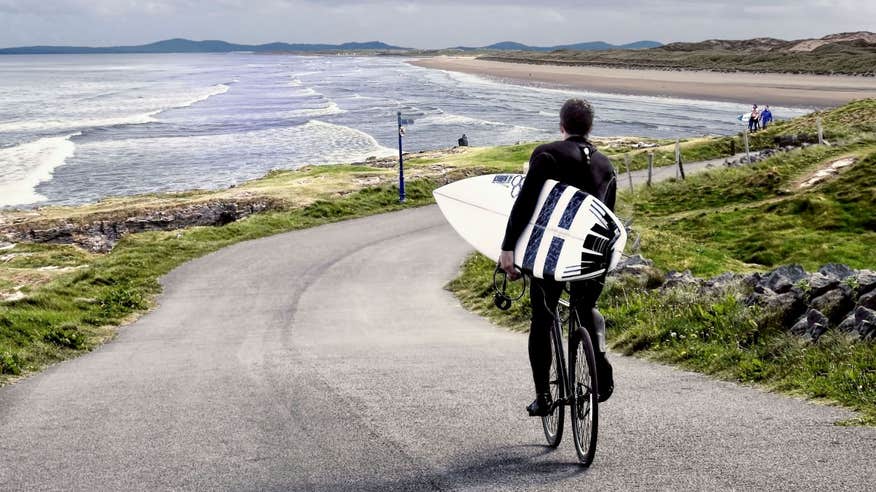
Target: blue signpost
(401,162)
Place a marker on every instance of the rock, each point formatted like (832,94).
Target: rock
(868,300)
(820,283)
(753,280)
(675,279)
(635,260)
(100,233)
(836,270)
(782,279)
(848,325)
(817,324)
(865,322)
(813,325)
(816,330)
(835,304)
(802,326)
(721,284)
(866,280)
(785,307)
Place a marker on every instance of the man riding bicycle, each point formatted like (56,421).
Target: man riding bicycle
(576,162)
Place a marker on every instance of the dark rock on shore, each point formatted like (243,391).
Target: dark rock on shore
(101,232)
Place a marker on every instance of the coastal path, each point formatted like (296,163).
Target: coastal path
(333,359)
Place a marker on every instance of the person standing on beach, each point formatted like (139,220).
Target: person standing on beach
(753,118)
(574,161)
(766,116)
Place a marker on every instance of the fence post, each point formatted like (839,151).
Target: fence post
(820,131)
(680,163)
(745,140)
(679,170)
(401,162)
(629,174)
(650,166)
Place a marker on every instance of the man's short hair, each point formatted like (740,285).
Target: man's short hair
(577,117)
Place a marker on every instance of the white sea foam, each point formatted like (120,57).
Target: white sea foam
(461,120)
(330,109)
(341,143)
(25,166)
(134,119)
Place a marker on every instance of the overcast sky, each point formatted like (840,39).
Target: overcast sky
(422,24)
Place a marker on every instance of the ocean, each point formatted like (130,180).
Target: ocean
(78,128)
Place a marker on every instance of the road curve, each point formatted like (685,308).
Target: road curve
(332,359)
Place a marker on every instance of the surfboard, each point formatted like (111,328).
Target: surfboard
(568,238)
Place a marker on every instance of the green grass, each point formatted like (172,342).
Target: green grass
(752,218)
(77,311)
(723,337)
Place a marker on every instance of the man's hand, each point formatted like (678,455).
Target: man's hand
(506,263)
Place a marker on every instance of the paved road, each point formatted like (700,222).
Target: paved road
(331,359)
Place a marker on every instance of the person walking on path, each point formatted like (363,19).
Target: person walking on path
(574,161)
(766,117)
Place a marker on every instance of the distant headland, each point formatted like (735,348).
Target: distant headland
(179,45)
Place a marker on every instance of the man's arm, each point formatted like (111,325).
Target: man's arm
(523,208)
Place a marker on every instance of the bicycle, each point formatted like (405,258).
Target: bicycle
(576,387)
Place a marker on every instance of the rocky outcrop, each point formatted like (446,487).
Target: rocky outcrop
(810,304)
(99,233)
(806,304)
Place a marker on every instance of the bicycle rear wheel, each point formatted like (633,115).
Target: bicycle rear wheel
(584,392)
(553,422)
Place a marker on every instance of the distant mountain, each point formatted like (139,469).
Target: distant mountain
(189,46)
(590,46)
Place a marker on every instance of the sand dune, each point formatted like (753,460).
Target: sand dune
(779,89)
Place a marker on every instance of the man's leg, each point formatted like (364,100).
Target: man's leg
(543,296)
(584,296)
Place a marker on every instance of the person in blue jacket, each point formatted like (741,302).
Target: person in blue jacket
(766,116)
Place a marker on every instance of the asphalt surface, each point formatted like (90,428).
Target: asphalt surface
(332,359)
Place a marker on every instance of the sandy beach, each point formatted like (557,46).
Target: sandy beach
(779,89)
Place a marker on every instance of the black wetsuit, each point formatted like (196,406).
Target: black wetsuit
(567,162)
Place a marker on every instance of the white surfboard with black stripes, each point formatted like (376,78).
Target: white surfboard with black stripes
(568,238)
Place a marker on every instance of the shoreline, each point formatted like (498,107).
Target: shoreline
(793,90)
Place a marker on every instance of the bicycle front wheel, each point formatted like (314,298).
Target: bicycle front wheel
(553,422)
(584,392)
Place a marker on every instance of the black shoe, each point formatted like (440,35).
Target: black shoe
(606,377)
(541,407)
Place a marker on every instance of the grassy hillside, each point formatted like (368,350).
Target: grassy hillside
(854,58)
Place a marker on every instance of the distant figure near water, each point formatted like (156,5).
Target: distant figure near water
(463,141)
(766,116)
(754,119)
